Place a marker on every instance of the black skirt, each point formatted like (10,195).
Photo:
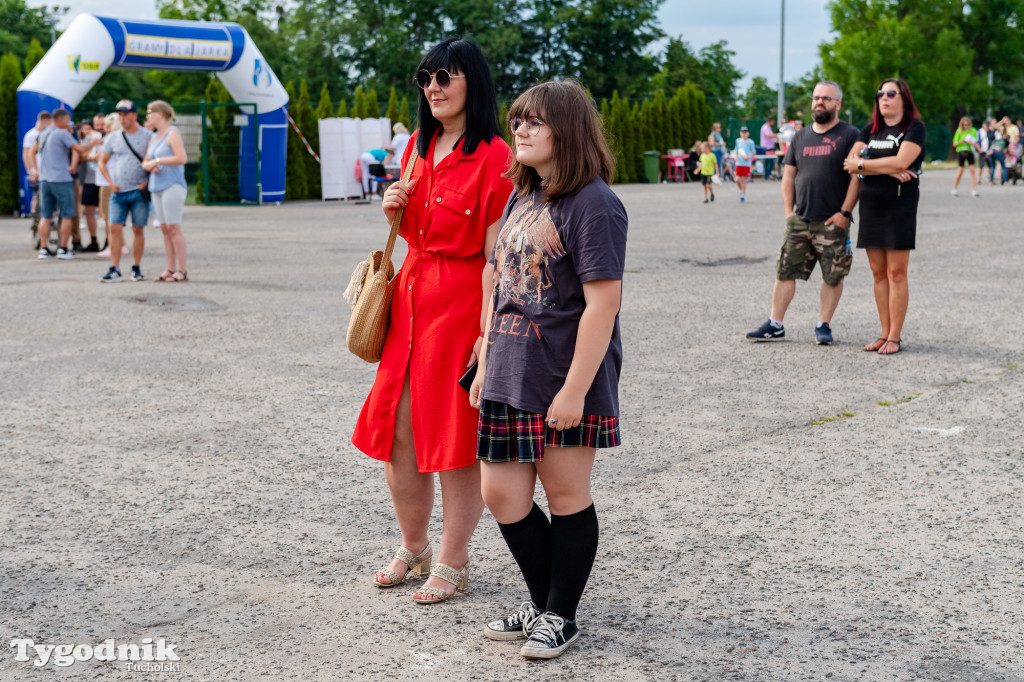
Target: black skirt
(888,214)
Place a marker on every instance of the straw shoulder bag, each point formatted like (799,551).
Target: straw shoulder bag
(370,290)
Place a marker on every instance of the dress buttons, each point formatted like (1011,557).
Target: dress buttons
(439,200)
(421,231)
(467,211)
(410,287)
(426,203)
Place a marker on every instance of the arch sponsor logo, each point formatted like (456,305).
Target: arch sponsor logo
(261,75)
(77,64)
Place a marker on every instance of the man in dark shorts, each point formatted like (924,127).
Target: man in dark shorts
(819,197)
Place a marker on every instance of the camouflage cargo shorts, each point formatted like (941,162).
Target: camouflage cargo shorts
(810,243)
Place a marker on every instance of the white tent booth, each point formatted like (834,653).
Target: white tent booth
(342,142)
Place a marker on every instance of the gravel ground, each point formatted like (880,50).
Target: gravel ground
(177,462)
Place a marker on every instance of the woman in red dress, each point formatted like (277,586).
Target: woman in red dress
(417,419)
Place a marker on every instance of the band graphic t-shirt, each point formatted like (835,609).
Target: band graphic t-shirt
(542,256)
(821,182)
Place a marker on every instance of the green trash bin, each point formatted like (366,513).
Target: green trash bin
(651,161)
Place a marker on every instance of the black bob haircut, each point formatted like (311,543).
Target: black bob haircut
(461,56)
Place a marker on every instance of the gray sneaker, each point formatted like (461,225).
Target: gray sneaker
(65,254)
(113,275)
(823,335)
(767,332)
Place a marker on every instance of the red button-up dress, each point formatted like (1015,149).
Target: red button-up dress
(435,312)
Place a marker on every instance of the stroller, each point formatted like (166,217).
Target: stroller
(1014,171)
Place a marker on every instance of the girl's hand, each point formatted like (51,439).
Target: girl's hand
(396,197)
(566,411)
(476,352)
(475,388)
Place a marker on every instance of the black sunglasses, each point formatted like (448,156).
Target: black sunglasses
(886,93)
(444,79)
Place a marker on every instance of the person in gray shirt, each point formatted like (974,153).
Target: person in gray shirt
(57,151)
(127,187)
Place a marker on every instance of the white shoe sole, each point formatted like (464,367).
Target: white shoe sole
(501,636)
(537,653)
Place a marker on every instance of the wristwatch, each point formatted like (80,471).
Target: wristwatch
(860,165)
(847,214)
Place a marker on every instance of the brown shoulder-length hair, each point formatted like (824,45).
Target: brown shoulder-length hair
(579,148)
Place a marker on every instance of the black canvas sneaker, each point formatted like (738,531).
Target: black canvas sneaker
(551,636)
(518,625)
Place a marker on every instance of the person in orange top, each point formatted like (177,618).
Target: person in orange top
(417,418)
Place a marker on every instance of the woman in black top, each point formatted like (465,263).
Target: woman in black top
(888,157)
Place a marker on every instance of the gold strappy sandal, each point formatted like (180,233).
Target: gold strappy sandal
(417,563)
(458,578)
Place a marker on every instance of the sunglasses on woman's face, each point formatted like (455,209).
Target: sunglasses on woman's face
(444,79)
(890,94)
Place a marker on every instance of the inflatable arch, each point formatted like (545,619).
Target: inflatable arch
(93,44)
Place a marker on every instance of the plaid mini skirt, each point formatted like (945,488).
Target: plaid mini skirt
(505,434)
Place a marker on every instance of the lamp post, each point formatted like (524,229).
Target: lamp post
(782,61)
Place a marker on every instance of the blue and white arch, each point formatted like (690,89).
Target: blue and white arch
(93,44)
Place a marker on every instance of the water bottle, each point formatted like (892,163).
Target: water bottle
(849,248)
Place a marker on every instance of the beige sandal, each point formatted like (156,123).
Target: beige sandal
(458,578)
(417,563)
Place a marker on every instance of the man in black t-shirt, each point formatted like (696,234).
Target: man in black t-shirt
(818,196)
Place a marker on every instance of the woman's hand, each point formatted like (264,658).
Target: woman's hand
(904,176)
(850,164)
(396,197)
(566,410)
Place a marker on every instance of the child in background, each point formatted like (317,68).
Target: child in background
(708,166)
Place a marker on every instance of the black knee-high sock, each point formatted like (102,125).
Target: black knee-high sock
(530,542)
(573,548)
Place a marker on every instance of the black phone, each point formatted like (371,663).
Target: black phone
(466,380)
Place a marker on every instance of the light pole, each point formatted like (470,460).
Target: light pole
(782,61)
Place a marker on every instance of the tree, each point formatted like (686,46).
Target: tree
(342,108)
(306,121)
(34,55)
(10,145)
(357,103)
(392,113)
(922,42)
(324,108)
(296,187)
(403,113)
(371,109)
(608,39)
(21,25)
(760,100)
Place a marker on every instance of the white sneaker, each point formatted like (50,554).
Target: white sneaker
(973,194)
(65,254)
(955,193)
(44,254)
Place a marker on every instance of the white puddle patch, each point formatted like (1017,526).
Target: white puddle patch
(943,433)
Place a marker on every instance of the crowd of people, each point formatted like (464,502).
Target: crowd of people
(114,169)
(996,144)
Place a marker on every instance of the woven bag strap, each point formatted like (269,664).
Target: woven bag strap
(396,220)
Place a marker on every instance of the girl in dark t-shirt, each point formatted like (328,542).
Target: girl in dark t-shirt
(547,383)
(888,155)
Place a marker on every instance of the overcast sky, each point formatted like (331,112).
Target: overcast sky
(751,28)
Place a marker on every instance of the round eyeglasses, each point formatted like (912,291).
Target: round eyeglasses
(443,77)
(533,125)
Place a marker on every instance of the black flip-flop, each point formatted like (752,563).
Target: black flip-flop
(899,346)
